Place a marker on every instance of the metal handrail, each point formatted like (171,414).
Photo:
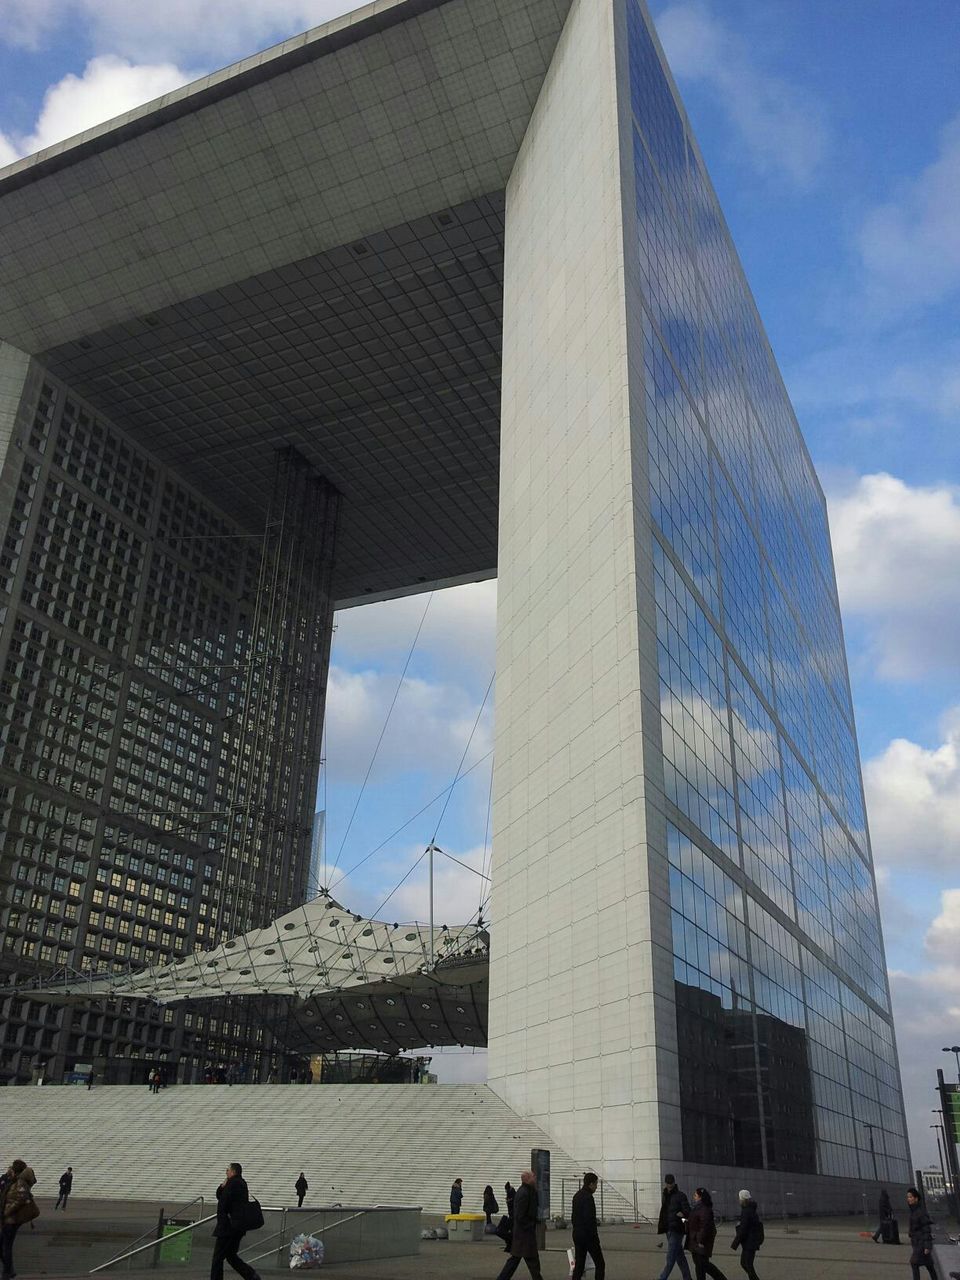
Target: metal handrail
(328,1227)
(152,1244)
(151,1234)
(267,1208)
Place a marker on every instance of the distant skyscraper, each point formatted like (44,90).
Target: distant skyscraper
(316,849)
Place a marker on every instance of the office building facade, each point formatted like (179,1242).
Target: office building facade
(684,867)
(459,266)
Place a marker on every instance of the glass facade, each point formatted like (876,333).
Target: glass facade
(787,1057)
(160,667)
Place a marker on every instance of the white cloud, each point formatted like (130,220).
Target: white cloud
(926,1006)
(428,729)
(782,126)
(943,936)
(108,87)
(216,30)
(913,799)
(896,548)
(458,888)
(869,382)
(459,627)
(910,246)
(25,23)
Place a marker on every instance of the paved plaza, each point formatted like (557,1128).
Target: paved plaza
(70,1244)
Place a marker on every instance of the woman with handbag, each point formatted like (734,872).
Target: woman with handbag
(17,1206)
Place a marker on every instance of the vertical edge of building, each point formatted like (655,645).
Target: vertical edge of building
(572,1042)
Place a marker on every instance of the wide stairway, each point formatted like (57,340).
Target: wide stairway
(358,1144)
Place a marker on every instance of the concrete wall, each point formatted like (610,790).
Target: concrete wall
(571,1012)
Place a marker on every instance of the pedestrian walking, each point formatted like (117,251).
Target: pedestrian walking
(66,1186)
(586,1234)
(674,1211)
(701,1235)
(510,1195)
(523,1242)
(921,1236)
(302,1187)
(456,1195)
(885,1229)
(89,1080)
(233,1196)
(17,1206)
(490,1206)
(750,1234)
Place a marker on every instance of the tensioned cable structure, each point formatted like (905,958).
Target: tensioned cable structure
(403,826)
(376,750)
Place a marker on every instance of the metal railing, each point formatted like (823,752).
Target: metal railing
(625,1196)
(153,1236)
(327,1226)
(155,1243)
(292,1221)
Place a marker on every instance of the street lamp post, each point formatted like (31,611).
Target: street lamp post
(955,1050)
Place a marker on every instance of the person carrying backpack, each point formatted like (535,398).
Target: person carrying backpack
(750,1234)
(233,1221)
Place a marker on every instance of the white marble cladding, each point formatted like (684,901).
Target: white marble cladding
(572,1041)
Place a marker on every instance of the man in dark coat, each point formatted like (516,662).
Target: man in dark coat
(456,1195)
(510,1192)
(586,1236)
(232,1199)
(66,1186)
(674,1211)
(302,1187)
(523,1245)
(921,1236)
(885,1211)
(749,1236)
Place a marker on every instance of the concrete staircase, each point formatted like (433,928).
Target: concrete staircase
(358,1144)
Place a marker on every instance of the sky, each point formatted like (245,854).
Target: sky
(832,134)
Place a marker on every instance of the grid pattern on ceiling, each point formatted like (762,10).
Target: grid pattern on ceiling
(387,128)
(390,1019)
(380,361)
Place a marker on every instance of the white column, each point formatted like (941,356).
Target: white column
(572,1040)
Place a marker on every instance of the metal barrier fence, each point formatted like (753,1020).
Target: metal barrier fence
(350,1233)
(614,1199)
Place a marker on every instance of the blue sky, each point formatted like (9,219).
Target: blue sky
(832,134)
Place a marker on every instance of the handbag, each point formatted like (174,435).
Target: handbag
(572,1260)
(252,1216)
(27,1212)
(503,1230)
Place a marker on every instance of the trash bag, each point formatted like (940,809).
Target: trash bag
(305,1251)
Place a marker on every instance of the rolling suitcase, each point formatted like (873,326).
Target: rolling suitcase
(890,1231)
